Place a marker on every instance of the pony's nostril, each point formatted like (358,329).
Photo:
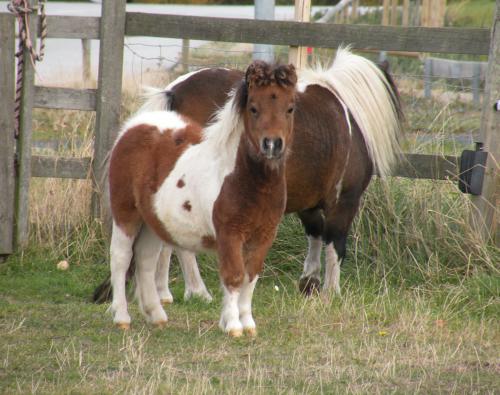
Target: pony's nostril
(278,145)
(265,143)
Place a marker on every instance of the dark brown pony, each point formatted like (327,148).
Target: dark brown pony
(220,188)
(347,120)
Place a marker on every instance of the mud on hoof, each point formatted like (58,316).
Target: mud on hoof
(160,324)
(124,326)
(250,332)
(309,286)
(166,301)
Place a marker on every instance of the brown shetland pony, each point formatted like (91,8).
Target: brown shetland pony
(222,188)
(347,120)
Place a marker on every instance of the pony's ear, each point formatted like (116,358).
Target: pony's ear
(286,75)
(260,73)
(385,66)
(257,73)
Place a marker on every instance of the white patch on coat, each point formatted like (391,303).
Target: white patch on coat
(183,78)
(230,316)
(203,168)
(245,302)
(332,270)
(121,254)
(162,120)
(147,248)
(312,264)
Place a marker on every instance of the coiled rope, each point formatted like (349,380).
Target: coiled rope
(22,10)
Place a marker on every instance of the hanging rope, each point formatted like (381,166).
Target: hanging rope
(22,10)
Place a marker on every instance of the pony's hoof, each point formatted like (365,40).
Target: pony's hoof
(166,301)
(124,326)
(160,324)
(235,333)
(251,332)
(309,286)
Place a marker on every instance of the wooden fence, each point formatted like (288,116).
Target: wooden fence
(459,69)
(17,165)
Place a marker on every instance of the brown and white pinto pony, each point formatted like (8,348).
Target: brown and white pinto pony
(347,121)
(220,188)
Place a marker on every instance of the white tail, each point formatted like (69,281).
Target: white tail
(368,95)
(155,99)
(159,99)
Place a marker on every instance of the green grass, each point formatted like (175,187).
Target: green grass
(418,313)
(470,13)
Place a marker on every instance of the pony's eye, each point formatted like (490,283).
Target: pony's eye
(253,110)
(290,110)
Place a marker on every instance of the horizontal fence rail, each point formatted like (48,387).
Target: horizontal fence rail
(65,98)
(472,41)
(72,27)
(59,167)
(327,35)
(411,166)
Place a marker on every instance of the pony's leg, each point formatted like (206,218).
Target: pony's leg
(192,279)
(338,221)
(230,317)
(332,269)
(147,251)
(162,272)
(245,306)
(121,254)
(310,279)
(232,274)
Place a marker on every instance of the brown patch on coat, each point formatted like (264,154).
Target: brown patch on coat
(140,162)
(214,84)
(187,206)
(180,183)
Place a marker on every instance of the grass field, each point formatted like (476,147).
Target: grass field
(424,323)
(419,313)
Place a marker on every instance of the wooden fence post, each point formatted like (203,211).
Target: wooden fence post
(485,217)
(108,103)
(185,55)
(7,174)
(406,13)
(476,82)
(354,10)
(394,12)
(385,13)
(428,78)
(86,62)
(23,149)
(265,10)
(298,55)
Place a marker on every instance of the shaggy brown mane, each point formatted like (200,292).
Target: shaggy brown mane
(262,74)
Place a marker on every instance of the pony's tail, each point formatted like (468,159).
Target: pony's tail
(373,100)
(156,99)
(104,292)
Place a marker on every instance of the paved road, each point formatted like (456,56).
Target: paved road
(63,59)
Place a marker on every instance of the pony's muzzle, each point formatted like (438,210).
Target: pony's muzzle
(272,148)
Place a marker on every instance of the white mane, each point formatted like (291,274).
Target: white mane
(226,129)
(360,85)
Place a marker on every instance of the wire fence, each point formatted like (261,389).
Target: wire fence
(209,56)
